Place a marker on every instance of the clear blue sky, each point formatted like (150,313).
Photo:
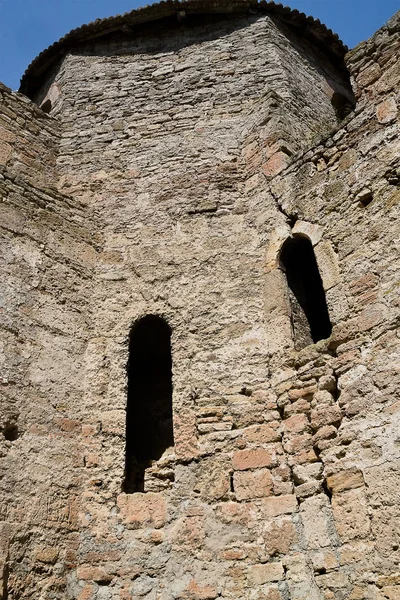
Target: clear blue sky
(29,26)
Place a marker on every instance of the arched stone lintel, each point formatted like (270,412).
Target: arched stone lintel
(327,259)
(276,298)
(310,230)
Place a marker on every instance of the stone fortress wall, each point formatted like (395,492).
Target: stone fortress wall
(48,252)
(178,158)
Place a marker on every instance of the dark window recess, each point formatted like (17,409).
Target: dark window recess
(149,429)
(10,432)
(342,105)
(310,316)
(46,107)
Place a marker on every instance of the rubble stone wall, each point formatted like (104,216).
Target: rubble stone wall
(47,255)
(167,109)
(28,140)
(178,185)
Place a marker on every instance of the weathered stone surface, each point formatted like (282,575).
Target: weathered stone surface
(253,484)
(179,155)
(254,459)
(142,509)
(345,480)
(260,574)
(280,505)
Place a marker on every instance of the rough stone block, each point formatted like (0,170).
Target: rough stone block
(278,505)
(389,592)
(345,480)
(88,592)
(301,393)
(137,510)
(296,424)
(276,241)
(311,230)
(386,111)
(316,517)
(90,573)
(254,459)
(261,434)
(252,484)
(368,75)
(279,536)
(185,437)
(298,443)
(325,415)
(188,534)
(328,264)
(46,554)
(201,591)
(276,300)
(350,511)
(260,574)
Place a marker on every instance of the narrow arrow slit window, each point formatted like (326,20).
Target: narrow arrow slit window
(309,311)
(149,427)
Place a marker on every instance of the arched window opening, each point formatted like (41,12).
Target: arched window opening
(46,107)
(310,317)
(149,428)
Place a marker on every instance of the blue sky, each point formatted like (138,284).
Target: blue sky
(29,26)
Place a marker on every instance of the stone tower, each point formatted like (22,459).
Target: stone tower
(199,309)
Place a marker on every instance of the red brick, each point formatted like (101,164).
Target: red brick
(275,164)
(88,430)
(68,425)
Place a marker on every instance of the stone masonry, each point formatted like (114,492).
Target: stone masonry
(157,163)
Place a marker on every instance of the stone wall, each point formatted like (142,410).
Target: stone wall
(47,255)
(28,140)
(343,194)
(178,184)
(133,105)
